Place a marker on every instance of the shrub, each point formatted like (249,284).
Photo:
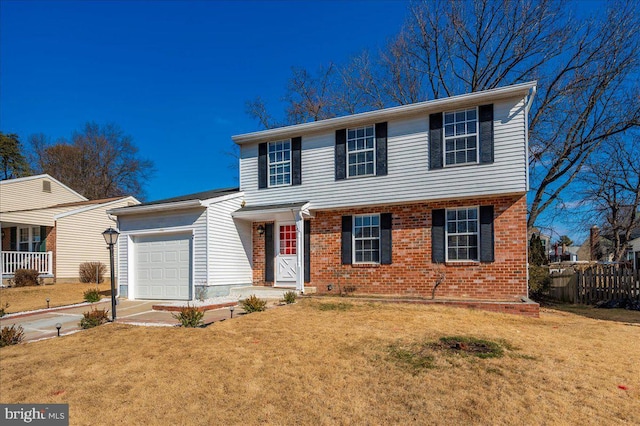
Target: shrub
(3,312)
(25,277)
(92,295)
(189,316)
(289,297)
(253,304)
(92,272)
(94,318)
(539,280)
(201,293)
(11,335)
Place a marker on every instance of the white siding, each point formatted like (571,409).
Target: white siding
(408,176)
(156,223)
(229,245)
(23,194)
(79,239)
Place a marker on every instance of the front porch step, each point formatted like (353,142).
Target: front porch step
(263,292)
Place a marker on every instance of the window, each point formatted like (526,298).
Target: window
(366,239)
(279,163)
(361,151)
(462,234)
(29,239)
(460,137)
(288,239)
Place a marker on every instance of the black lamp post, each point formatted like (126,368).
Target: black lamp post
(111,238)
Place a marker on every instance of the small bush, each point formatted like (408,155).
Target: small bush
(92,295)
(189,316)
(25,277)
(253,304)
(539,280)
(290,297)
(11,335)
(92,272)
(94,318)
(201,293)
(3,312)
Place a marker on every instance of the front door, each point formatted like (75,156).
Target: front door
(286,254)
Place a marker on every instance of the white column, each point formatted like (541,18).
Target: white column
(300,251)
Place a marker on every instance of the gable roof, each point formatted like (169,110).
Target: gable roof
(176,203)
(435,105)
(42,176)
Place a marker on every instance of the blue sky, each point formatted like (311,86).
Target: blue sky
(173,75)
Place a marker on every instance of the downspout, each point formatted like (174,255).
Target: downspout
(527,108)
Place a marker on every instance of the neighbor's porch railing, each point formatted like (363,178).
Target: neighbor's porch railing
(14,260)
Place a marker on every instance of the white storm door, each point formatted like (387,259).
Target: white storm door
(286,254)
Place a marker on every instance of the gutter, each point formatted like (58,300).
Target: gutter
(123,211)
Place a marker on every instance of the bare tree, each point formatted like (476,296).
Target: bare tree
(587,72)
(611,192)
(98,162)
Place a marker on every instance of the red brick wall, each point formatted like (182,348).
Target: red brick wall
(412,273)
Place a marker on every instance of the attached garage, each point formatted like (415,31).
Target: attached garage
(163,267)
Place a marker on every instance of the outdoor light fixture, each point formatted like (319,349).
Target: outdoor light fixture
(260,230)
(330,287)
(111,238)
(47,303)
(58,326)
(231,308)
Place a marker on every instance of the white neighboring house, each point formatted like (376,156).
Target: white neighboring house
(49,227)
(169,248)
(634,252)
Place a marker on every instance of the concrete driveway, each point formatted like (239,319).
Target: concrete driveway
(42,324)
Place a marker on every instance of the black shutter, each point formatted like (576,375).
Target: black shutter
(381,149)
(486,234)
(269,255)
(262,165)
(341,154)
(485,115)
(296,161)
(386,223)
(435,141)
(13,239)
(43,239)
(307,251)
(346,240)
(437,235)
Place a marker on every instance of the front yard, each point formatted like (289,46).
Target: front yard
(35,297)
(333,361)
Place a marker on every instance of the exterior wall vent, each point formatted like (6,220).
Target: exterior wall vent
(46,186)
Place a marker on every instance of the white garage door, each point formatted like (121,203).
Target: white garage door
(163,267)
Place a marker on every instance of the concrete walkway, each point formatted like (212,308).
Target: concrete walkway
(42,324)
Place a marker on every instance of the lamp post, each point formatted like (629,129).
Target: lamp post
(111,238)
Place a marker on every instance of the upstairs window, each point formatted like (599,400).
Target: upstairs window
(462,234)
(279,157)
(461,137)
(361,151)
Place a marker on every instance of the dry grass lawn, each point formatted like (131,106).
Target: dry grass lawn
(22,299)
(332,361)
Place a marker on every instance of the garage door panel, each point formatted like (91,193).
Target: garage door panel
(163,265)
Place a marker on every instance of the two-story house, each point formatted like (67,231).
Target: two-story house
(387,202)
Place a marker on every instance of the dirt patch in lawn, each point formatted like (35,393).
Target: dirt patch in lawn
(22,299)
(306,364)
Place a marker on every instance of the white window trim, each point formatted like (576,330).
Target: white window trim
(269,185)
(446,234)
(346,147)
(30,241)
(353,239)
(445,138)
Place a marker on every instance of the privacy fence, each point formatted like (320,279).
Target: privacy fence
(595,284)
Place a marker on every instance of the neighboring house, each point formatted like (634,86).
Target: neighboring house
(634,252)
(382,202)
(170,248)
(50,227)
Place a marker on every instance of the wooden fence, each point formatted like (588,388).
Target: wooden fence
(606,282)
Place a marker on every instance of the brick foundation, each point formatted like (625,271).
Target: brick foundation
(412,273)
